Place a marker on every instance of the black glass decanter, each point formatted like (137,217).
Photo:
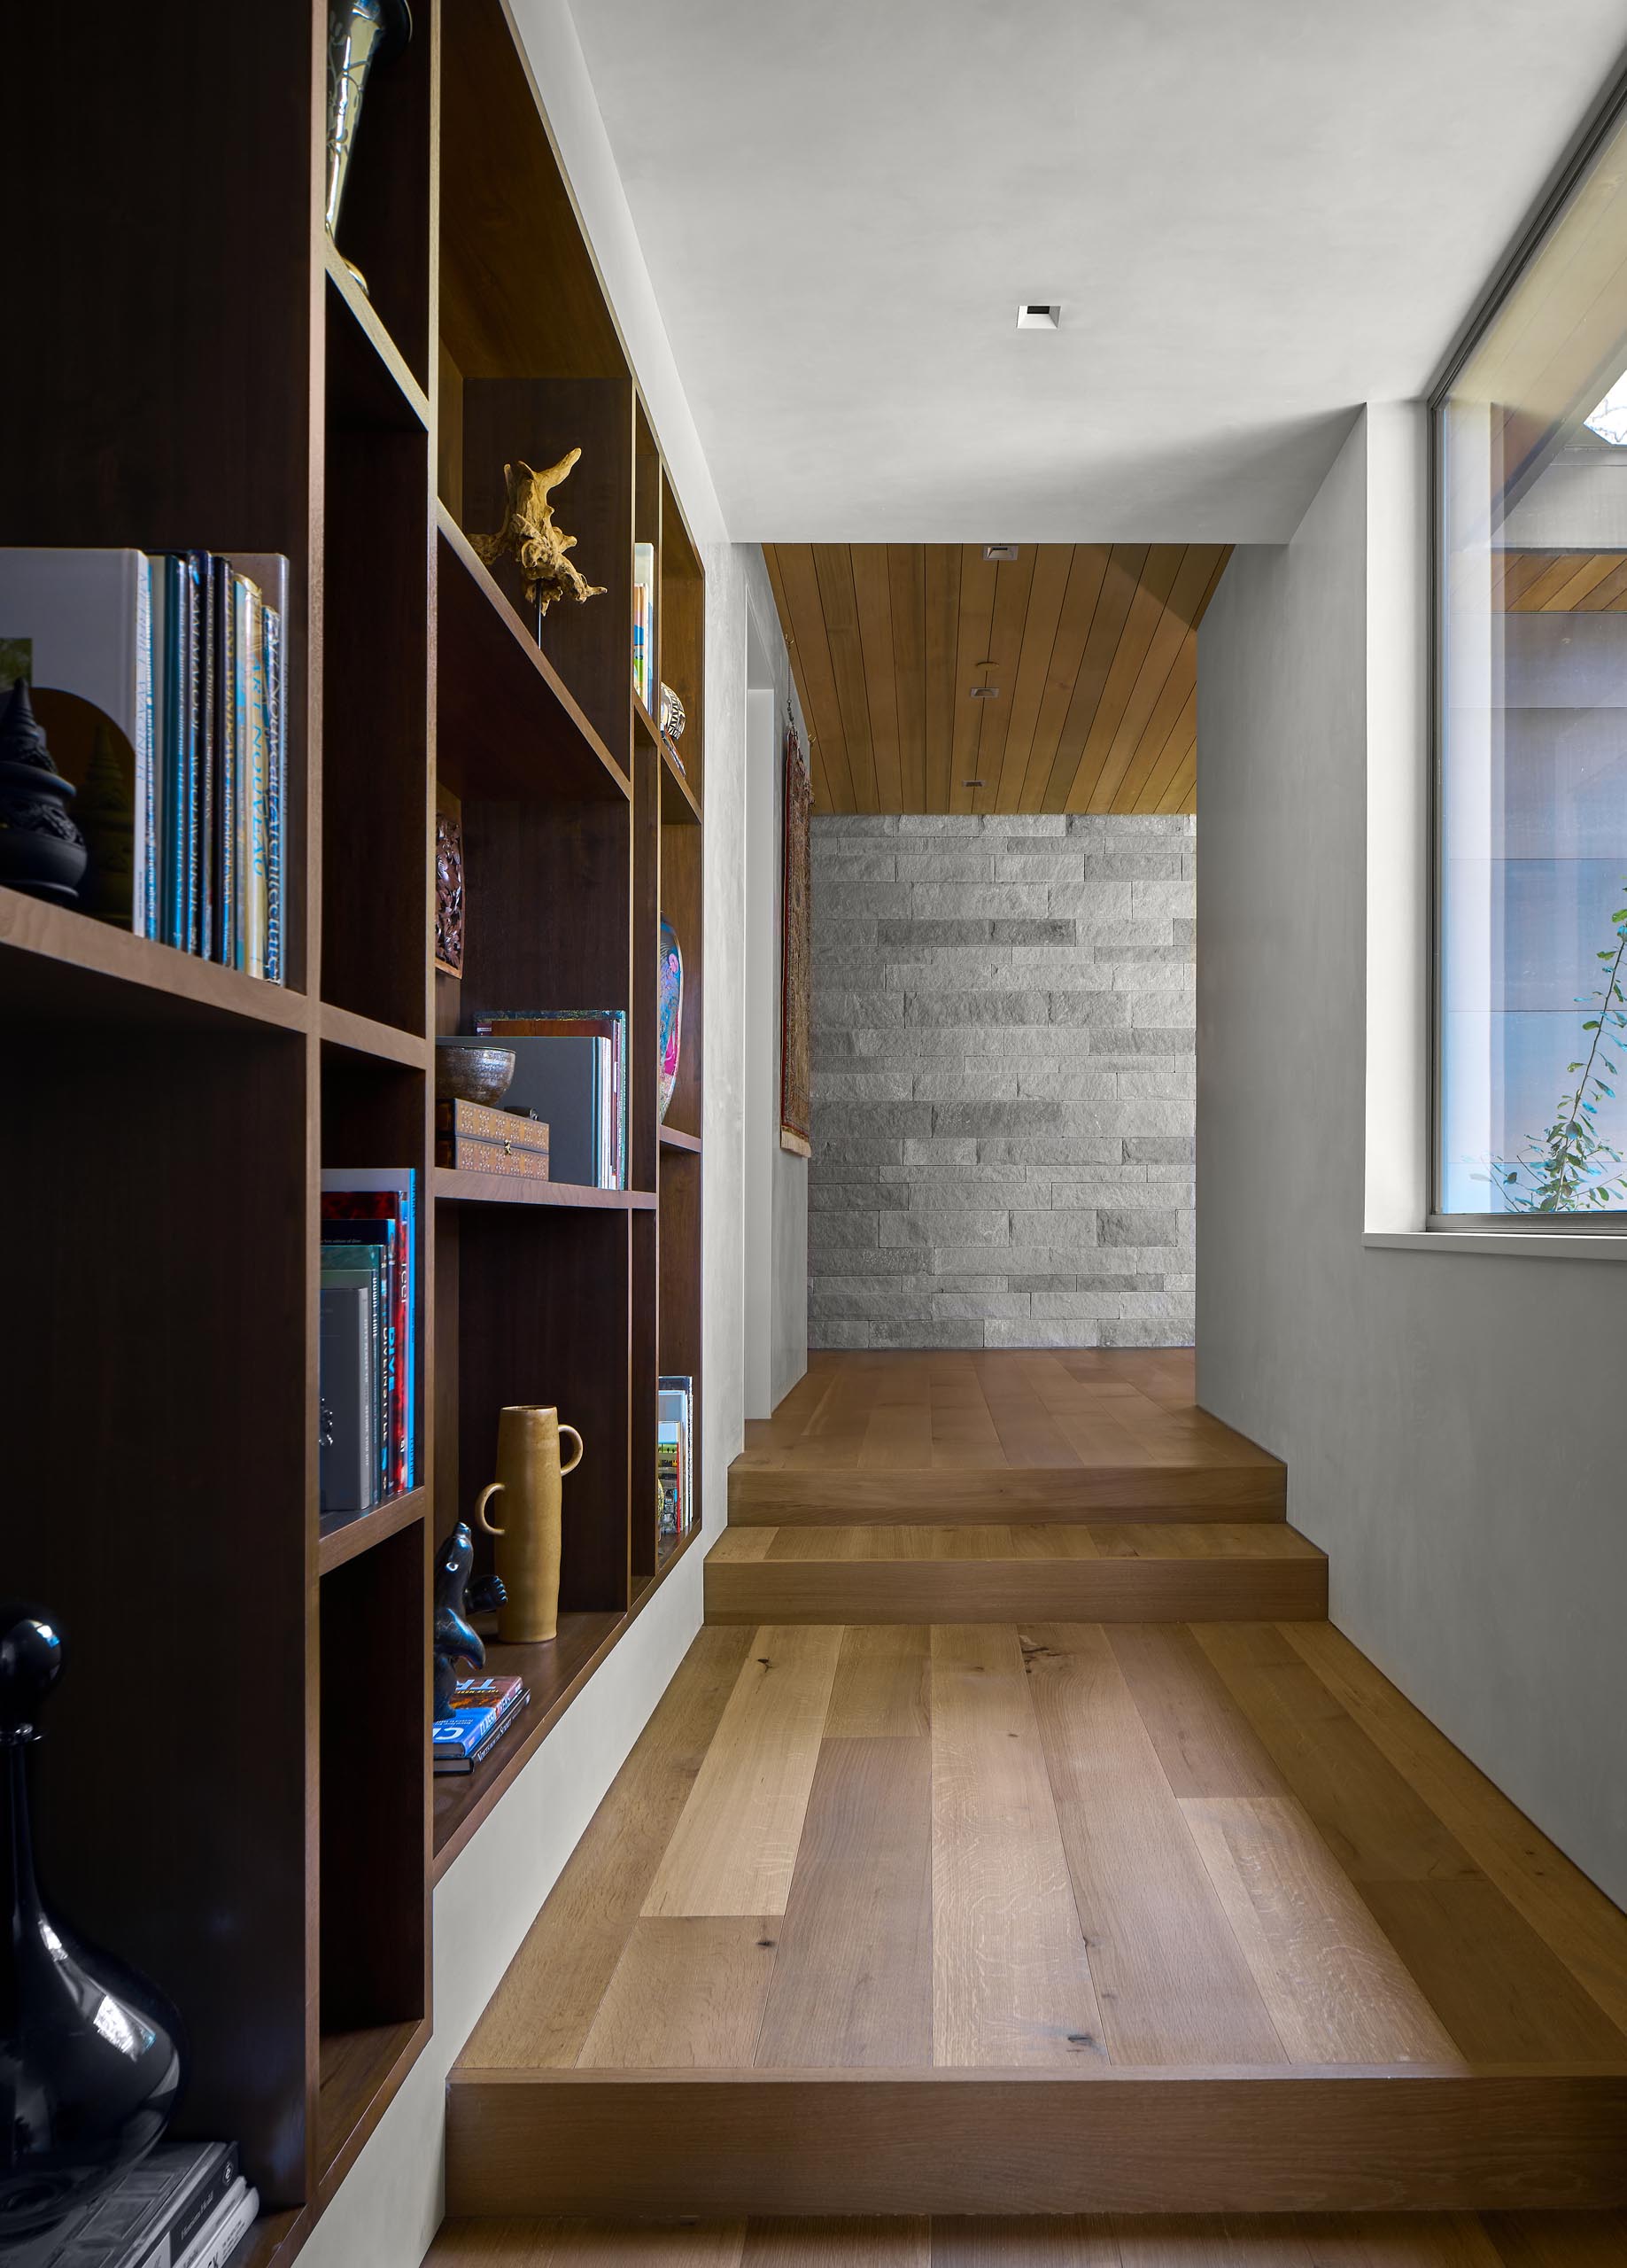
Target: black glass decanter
(91,2060)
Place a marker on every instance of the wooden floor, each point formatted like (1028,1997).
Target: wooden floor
(877,1889)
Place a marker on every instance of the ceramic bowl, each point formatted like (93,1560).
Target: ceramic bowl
(472,1070)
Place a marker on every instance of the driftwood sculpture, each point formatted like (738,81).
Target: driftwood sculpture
(529,537)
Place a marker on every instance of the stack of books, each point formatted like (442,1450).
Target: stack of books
(186,2205)
(675,1454)
(644,623)
(484,1709)
(184,652)
(369,1319)
(571,1069)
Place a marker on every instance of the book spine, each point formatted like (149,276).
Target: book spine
(193,2209)
(251,790)
(276,789)
(214,2248)
(142,879)
(200,814)
(182,643)
(224,890)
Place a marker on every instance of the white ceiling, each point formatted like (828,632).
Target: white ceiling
(1257,213)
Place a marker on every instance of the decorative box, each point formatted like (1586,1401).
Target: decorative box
(479,1138)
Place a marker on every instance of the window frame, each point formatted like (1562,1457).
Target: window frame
(1608,114)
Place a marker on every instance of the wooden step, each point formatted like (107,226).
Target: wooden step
(1247,1572)
(770,1495)
(1038,2241)
(1336,2139)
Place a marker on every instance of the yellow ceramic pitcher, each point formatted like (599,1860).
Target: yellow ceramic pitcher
(527,1543)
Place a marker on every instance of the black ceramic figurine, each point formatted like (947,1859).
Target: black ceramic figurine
(456,1639)
(91,2060)
(42,852)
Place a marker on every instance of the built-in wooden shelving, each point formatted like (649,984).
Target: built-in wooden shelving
(277,1845)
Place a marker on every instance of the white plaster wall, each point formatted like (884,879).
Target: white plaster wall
(1450,1420)
(389,2206)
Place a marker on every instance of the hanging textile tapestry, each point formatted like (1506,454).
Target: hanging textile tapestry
(795,952)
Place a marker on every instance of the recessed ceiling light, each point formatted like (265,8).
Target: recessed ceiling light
(999,551)
(973,783)
(1035,315)
(985,693)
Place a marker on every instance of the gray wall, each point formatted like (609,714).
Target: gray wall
(1450,1422)
(776,1180)
(1003,1088)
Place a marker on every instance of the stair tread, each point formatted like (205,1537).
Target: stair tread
(1210,1539)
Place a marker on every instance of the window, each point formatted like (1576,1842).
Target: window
(1531,484)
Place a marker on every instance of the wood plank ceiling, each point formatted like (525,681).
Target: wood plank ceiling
(934,679)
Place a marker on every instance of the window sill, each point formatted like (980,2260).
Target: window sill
(1496,1244)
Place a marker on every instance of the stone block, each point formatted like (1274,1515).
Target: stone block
(1044,1334)
(1078,1307)
(841,1232)
(962,1263)
(966,1228)
(934,1157)
(979,1119)
(1055,1231)
(826,1195)
(1106,1010)
(1166,1081)
(974,1195)
(991,1282)
(1165,1008)
(1136,1226)
(1023,865)
(1137,1043)
(872,1306)
(1147,1304)
(842,1008)
(966,1175)
(1048,932)
(1135,866)
(974,863)
(1102,1188)
(927,1334)
(1161,901)
(1018,827)
(958,1082)
(1144,1334)
(915,937)
(936,823)
(953,1306)
(855,1150)
(836,890)
(1068,1281)
(877,1264)
(1149,976)
(971,900)
(835,1122)
(872,863)
(976,1007)
(1161,1149)
(861,1086)
(833,1333)
(1043,1153)
(1094,899)
(1056,1083)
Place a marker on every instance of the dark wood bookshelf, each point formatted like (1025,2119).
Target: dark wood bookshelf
(460,1186)
(171,1119)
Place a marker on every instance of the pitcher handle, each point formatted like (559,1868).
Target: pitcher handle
(494,1488)
(575,1460)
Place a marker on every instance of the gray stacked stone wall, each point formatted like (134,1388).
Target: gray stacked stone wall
(1003,1081)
